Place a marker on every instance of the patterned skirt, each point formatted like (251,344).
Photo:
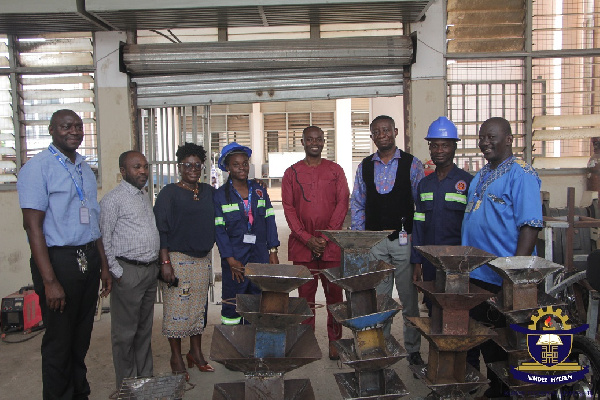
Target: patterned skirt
(183,306)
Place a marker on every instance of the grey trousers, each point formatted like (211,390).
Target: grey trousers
(399,256)
(131,314)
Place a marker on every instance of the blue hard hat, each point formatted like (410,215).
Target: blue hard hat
(442,128)
(232,147)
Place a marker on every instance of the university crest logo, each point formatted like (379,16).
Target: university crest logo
(549,342)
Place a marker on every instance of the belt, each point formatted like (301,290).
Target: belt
(135,262)
(85,247)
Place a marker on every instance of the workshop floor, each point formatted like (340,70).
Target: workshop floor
(20,370)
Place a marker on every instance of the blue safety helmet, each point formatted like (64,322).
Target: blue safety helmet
(442,128)
(232,147)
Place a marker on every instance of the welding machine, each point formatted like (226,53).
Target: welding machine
(20,311)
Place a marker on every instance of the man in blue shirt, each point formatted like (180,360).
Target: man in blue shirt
(441,199)
(57,193)
(503,217)
(383,198)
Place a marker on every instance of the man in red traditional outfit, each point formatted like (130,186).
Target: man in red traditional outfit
(315,197)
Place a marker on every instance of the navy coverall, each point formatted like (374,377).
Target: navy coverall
(439,212)
(231,223)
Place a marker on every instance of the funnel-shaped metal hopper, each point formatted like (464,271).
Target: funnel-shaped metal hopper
(378,359)
(473,380)
(348,239)
(278,277)
(455,259)
(374,272)
(522,270)
(478,334)
(233,346)
(248,306)
(355,246)
(455,301)
(391,387)
(294,389)
(387,307)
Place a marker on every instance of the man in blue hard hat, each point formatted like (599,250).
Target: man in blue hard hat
(441,199)
(244,226)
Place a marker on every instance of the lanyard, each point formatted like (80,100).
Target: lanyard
(248,206)
(79,189)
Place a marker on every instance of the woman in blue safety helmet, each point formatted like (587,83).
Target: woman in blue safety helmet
(245,227)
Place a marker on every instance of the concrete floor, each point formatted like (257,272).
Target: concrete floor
(20,370)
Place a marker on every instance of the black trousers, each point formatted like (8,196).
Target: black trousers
(67,337)
(491,317)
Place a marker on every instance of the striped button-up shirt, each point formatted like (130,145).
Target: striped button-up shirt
(128,226)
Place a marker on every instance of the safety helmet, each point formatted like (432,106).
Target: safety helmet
(231,148)
(442,128)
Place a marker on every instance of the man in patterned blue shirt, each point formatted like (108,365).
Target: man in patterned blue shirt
(383,198)
(503,217)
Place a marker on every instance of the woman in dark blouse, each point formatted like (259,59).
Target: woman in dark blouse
(186,222)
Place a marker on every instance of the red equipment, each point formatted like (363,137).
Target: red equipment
(20,311)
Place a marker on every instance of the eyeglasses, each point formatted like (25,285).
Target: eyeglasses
(188,166)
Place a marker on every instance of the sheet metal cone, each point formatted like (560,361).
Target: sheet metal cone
(389,355)
(524,269)
(373,274)
(455,259)
(248,305)
(387,307)
(455,301)
(349,239)
(478,333)
(473,380)
(295,389)
(278,277)
(233,346)
(393,388)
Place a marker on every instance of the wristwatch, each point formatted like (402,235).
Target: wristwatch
(273,250)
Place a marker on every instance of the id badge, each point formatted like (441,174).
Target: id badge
(402,238)
(469,207)
(84,215)
(249,238)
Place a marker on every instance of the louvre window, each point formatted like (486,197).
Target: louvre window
(47,73)
(361,134)
(285,121)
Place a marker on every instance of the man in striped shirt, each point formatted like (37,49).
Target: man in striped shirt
(131,244)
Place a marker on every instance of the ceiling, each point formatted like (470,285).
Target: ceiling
(32,16)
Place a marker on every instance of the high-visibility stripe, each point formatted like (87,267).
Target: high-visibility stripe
(261,203)
(419,216)
(459,198)
(269,212)
(230,207)
(219,221)
(427,196)
(230,321)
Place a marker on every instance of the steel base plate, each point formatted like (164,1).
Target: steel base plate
(473,380)
(295,389)
(348,385)
(517,387)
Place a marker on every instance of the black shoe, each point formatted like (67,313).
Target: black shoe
(415,359)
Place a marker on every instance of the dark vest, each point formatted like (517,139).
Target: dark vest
(385,211)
